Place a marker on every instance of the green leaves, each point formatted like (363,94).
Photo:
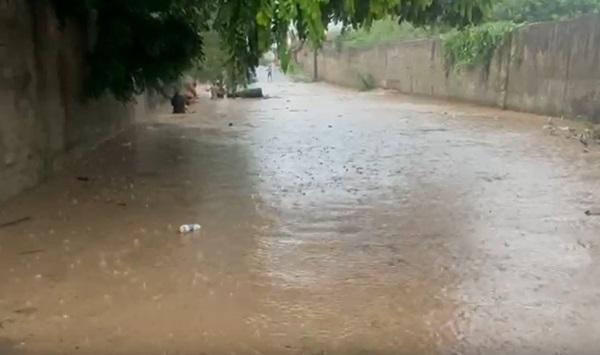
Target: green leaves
(382,31)
(141,44)
(543,10)
(475,45)
(147,43)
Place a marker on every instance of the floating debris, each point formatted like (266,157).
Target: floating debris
(188,228)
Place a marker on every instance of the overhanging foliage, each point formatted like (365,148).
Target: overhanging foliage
(144,43)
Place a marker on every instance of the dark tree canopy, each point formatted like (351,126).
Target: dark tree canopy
(143,44)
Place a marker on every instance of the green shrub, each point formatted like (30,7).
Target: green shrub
(367,82)
(381,32)
(475,45)
(521,11)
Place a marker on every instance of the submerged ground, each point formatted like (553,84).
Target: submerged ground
(334,222)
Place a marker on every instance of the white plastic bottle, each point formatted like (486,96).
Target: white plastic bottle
(187,228)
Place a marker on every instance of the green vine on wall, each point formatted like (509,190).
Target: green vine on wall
(475,45)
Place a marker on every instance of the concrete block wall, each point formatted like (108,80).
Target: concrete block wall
(44,118)
(555,69)
(547,68)
(21,133)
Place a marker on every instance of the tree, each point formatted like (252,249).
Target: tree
(542,10)
(213,65)
(143,44)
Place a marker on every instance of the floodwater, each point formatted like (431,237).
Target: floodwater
(334,222)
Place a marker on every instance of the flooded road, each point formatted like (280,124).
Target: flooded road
(334,222)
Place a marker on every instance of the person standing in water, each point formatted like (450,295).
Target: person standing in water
(179,102)
(270,72)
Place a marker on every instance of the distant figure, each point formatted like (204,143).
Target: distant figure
(270,72)
(178,102)
(217,91)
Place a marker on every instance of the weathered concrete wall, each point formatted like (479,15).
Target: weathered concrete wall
(44,120)
(555,68)
(548,68)
(20,134)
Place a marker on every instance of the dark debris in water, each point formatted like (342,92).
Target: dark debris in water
(15,222)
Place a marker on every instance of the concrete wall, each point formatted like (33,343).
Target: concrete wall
(555,69)
(44,119)
(547,68)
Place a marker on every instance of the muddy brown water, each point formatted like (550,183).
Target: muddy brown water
(334,222)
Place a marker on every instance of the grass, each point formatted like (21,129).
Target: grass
(381,32)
